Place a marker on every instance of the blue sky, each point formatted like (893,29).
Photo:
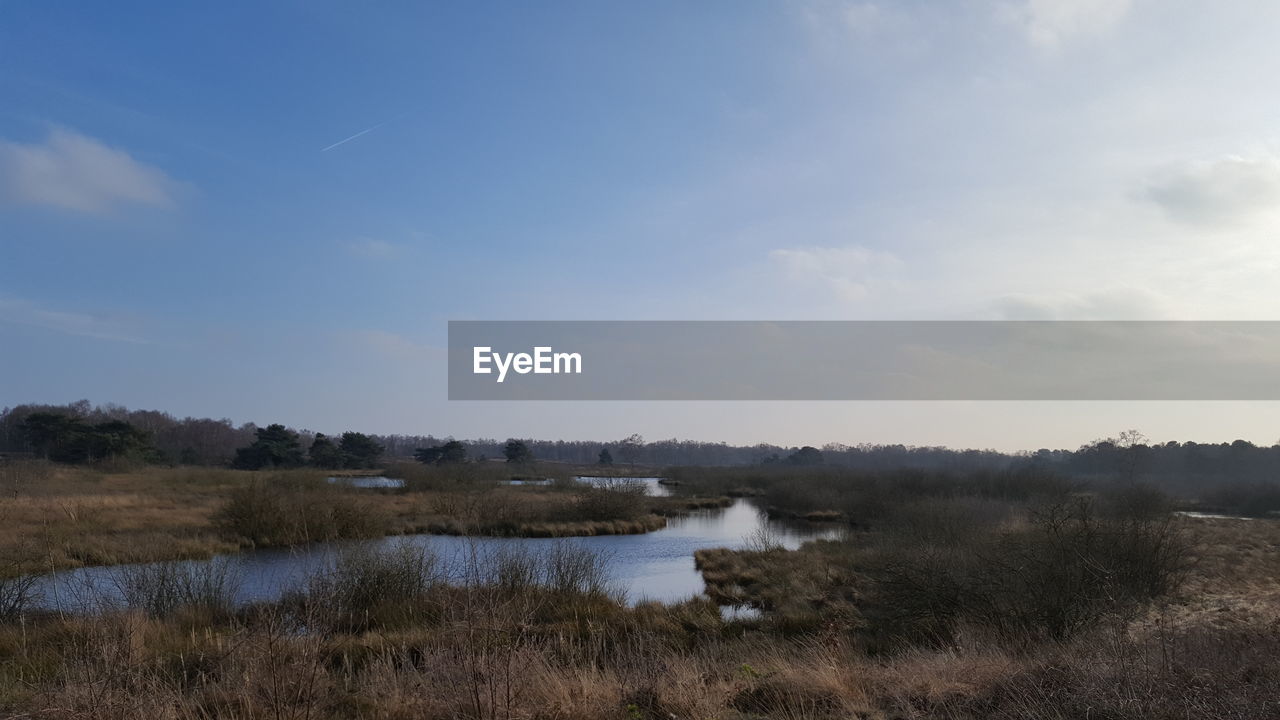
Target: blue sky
(268,211)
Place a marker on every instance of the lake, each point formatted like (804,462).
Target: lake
(652,566)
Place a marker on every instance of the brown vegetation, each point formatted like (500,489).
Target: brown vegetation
(382,636)
(955,599)
(58,516)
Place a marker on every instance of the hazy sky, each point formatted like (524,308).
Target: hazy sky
(268,211)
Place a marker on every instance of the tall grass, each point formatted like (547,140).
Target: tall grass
(16,595)
(957,598)
(288,510)
(863,498)
(161,589)
(369,588)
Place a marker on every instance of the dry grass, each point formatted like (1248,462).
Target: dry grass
(487,665)
(55,516)
(389,640)
(66,517)
(1234,579)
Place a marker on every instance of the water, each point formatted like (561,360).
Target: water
(368,481)
(652,486)
(653,566)
(1209,516)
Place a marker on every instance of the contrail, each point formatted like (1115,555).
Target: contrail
(353,137)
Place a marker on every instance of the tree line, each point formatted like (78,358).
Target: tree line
(80,432)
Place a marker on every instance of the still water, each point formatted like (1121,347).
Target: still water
(652,485)
(653,566)
(367,481)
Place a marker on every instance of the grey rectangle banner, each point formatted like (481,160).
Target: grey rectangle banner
(864,360)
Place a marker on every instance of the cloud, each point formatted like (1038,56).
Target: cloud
(1051,23)
(863,17)
(99,326)
(373,248)
(849,272)
(76,172)
(1225,191)
(1113,304)
(398,351)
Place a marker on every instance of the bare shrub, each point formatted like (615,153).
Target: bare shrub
(563,568)
(1064,573)
(160,589)
(624,502)
(289,511)
(573,570)
(16,595)
(763,539)
(1193,673)
(373,587)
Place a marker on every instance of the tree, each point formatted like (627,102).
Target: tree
(516,451)
(450,453)
(275,446)
(428,455)
(807,455)
(606,458)
(116,438)
(48,433)
(630,448)
(359,450)
(453,452)
(324,453)
(66,438)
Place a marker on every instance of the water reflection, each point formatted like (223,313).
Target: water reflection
(367,481)
(653,566)
(652,486)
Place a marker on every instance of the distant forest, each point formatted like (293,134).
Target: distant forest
(163,438)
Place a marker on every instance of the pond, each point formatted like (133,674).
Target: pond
(652,485)
(367,481)
(653,566)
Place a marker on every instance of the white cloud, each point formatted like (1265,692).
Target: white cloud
(848,272)
(1111,304)
(373,248)
(1225,191)
(863,17)
(76,172)
(99,326)
(1051,23)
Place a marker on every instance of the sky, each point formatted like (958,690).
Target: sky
(268,211)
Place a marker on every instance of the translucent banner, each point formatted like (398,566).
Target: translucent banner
(864,360)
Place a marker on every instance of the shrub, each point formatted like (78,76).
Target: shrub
(16,594)
(1250,499)
(17,584)
(161,589)
(625,501)
(570,569)
(371,587)
(287,511)
(1070,568)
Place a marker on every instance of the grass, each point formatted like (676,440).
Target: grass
(496,654)
(55,516)
(381,634)
(63,517)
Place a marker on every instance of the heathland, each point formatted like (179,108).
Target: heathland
(974,594)
(55,516)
